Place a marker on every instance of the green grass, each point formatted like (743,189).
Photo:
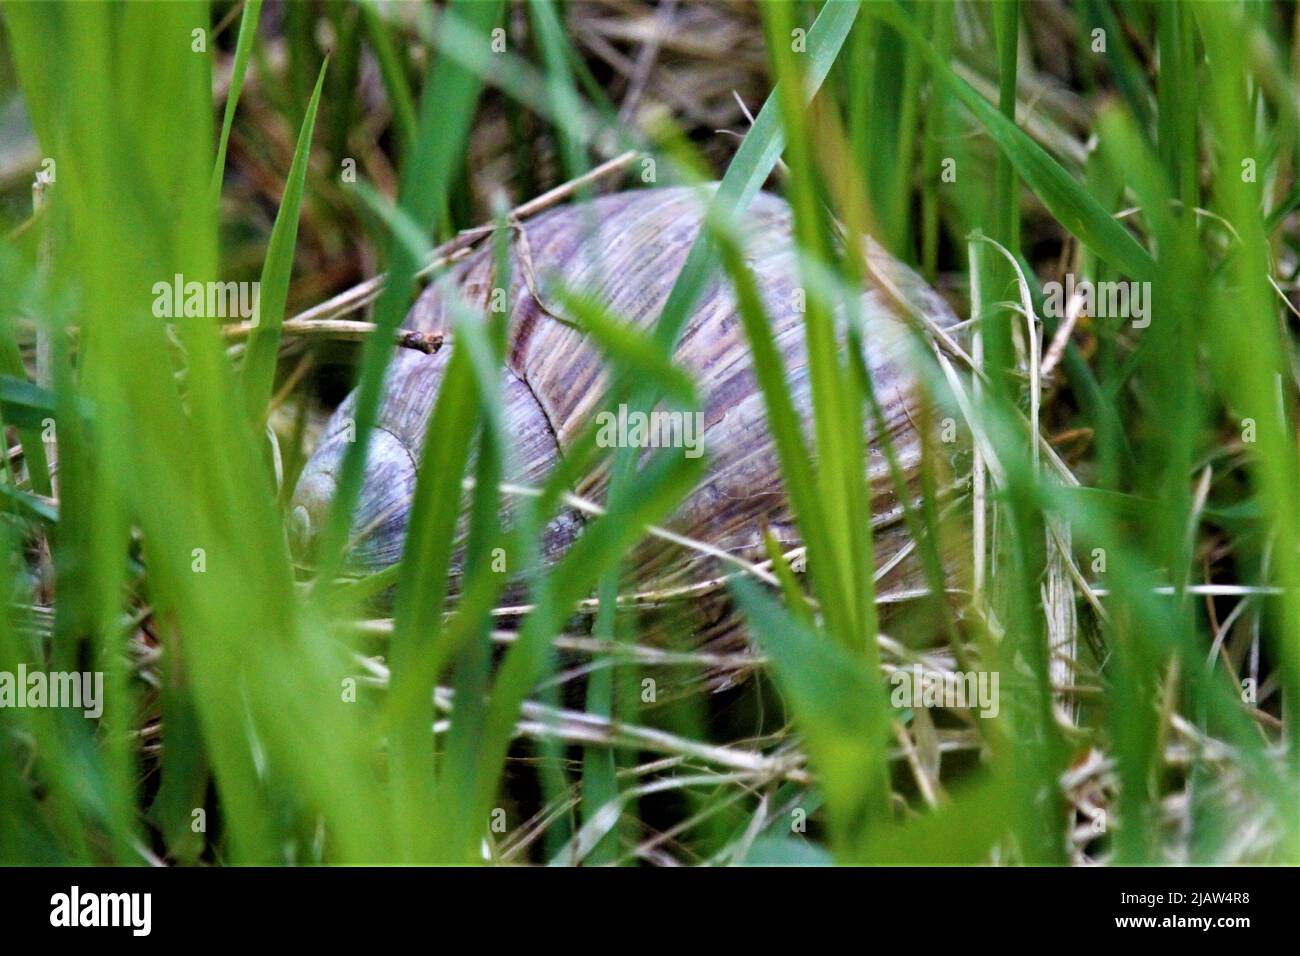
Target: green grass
(258,714)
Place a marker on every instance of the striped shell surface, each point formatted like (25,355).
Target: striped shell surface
(626,250)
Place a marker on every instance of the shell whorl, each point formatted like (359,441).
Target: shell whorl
(626,250)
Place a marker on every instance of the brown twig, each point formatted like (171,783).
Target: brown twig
(343,330)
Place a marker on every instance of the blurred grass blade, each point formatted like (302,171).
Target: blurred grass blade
(753,163)
(25,404)
(393,72)
(830,691)
(627,347)
(446,113)
(264,342)
(243,47)
(1066,199)
(652,495)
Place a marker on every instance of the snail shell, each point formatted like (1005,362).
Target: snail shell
(627,249)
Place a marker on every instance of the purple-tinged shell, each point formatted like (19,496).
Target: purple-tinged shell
(626,250)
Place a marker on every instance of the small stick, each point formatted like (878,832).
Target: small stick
(342,330)
(1073,310)
(364,293)
(552,196)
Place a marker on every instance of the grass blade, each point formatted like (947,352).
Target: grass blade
(264,342)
